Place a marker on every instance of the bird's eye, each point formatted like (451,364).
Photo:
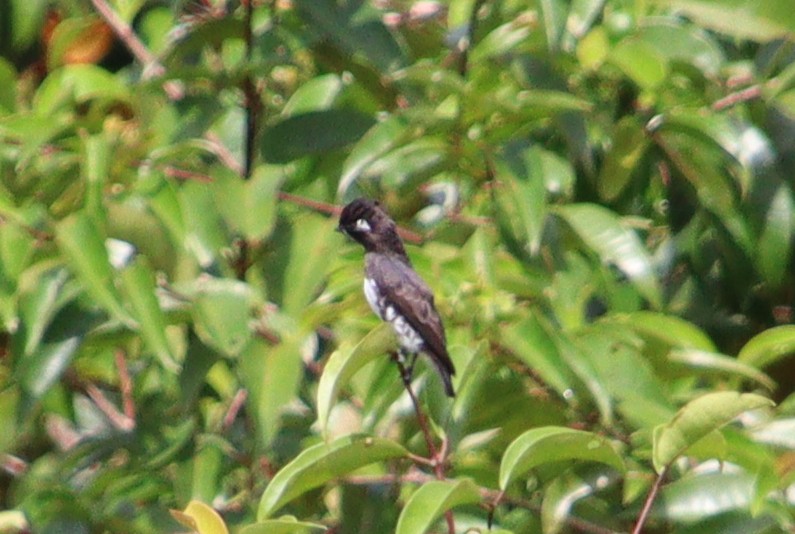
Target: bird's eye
(362,225)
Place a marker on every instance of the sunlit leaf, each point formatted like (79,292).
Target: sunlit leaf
(85,251)
(431,501)
(344,363)
(138,287)
(603,232)
(715,362)
(761,21)
(201,518)
(769,346)
(321,463)
(283,525)
(554,444)
(698,418)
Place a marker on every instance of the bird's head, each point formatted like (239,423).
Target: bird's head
(368,223)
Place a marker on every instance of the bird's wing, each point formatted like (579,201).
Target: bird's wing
(410,295)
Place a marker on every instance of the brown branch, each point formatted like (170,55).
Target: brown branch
(137,48)
(125,386)
(234,408)
(732,99)
(117,419)
(437,456)
(644,513)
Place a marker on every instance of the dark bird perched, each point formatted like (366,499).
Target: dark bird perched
(395,292)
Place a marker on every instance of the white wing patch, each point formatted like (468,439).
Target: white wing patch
(372,295)
(408,338)
(362,225)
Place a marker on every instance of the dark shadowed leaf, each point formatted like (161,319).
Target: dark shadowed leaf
(313,133)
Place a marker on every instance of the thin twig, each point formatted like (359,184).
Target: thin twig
(125,386)
(437,457)
(117,419)
(644,513)
(744,95)
(234,408)
(125,33)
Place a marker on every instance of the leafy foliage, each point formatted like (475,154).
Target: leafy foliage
(603,195)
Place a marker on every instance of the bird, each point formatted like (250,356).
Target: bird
(395,291)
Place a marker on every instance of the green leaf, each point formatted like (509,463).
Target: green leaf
(695,498)
(272,375)
(680,42)
(222,311)
(321,463)
(316,94)
(500,41)
(629,143)
(711,361)
(378,141)
(768,347)
(80,83)
(138,286)
(431,501)
(562,494)
(313,133)
(543,445)
(774,248)
(532,342)
(201,519)
(313,242)
(356,29)
(345,362)
(520,196)
(85,251)
(283,525)
(641,62)
(249,206)
(204,235)
(8,91)
(668,329)
(759,21)
(602,231)
(698,418)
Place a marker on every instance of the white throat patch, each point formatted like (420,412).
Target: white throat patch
(362,225)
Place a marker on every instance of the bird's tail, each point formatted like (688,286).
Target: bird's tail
(445,372)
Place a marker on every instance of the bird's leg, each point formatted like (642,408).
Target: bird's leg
(406,366)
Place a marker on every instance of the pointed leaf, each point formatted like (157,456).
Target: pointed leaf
(698,418)
(769,346)
(553,444)
(431,501)
(322,463)
(201,519)
(602,231)
(713,361)
(222,312)
(345,362)
(283,525)
(628,146)
(85,252)
(138,285)
(695,498)
(668,329)
(272,375)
